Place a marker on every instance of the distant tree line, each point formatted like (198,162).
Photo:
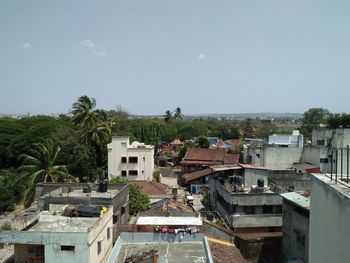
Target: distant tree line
(73,146)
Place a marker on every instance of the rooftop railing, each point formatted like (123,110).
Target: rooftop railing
(340,168)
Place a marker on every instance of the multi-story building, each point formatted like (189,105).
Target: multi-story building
(70,222)
(296,216)
(133,161)
(280,153)
(64,234)
(244,206)
(329,234)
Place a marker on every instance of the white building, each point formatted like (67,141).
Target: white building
(133,161)
(280,153)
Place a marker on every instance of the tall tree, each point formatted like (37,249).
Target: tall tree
(313,118)
(168,116)
(40,166)
(178,114)
(84,114)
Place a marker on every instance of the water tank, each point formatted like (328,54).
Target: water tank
(86,189)
(260,182)
(103,187)
(238,180)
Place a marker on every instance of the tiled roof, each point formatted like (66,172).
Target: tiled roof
(152,188)
(223,252)
(209,156)
(197,174)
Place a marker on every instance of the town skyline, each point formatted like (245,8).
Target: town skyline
(207,57)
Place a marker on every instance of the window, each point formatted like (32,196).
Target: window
(123,159)
(99,247)
(108,233)
(123,144)
(323,160)
(67,248)
(123,172)
(133,173)
(133,159)
(123,210)
(267,209)
(300,237)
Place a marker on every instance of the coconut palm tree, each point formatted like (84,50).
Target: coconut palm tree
(167,116)
(40,166)
(178,114)
(84,114)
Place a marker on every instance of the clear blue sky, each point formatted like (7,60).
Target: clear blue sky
(218,56)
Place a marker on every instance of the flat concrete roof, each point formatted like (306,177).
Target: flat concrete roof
(297,199)
(169,220)
(111,193)
(58,223)
(168,252)
(340,186)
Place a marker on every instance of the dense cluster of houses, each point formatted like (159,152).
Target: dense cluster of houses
(283,200)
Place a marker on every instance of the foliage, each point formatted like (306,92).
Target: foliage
(338,121)
(265,129)
(313,118)
(206,202)
(168,116)
(138,202)
(156,175)
(178,114)
(40,166)
(202,142)
(187,145)
(5,226)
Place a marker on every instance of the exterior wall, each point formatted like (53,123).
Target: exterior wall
(52,242)
(313,154)
(291,140)
(295,223)
(280,181)
(232,207)
(99,235)
(120,147)
(329,221)
(251,176)
(279,158)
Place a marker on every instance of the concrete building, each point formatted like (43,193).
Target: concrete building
(327,144)
(56,237)
(280,153)
(133,161)
(246,207)
(296,216)
(116,195)
(329,235)
(161,247)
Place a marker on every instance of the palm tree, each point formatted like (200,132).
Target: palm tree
(178,114)
(40,166)
(167,116)
(83,112)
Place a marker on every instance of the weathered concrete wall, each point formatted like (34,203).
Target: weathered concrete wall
(256,220)
(294,223)
(53,243)
(280,157)
(99,235)
(251,177)
(312,154)
(213,230)
(281,180)
(329,221)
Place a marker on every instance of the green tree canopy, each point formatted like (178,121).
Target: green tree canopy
(138,202)
(40,166)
